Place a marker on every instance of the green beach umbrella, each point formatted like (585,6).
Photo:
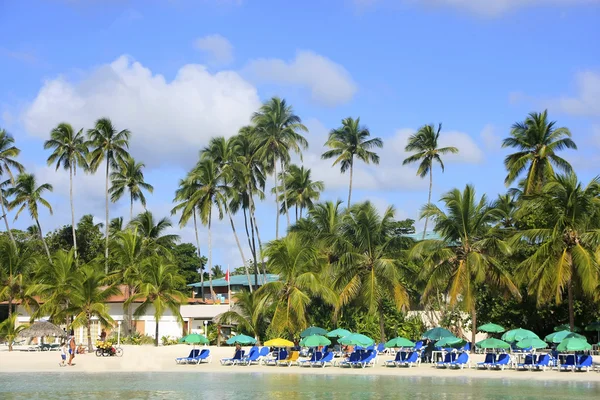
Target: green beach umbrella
(573,344)
(492,343)
(338,333)
(356,339)
(566,327)
(557,337)
(437,334)
(241,339)
(399,342)
(313,330)
(519,334)
(194,338)
(315,341)
(532,342)
(491,328)
(450,341)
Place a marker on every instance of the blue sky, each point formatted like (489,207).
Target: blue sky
(178,72)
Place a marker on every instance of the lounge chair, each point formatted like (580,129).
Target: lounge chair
(203,357)
(447,360)
(411,360)
(184,360)
(501,363)
(529,362)
(460,362)
(327,359)
(262,355)
(281,355)
(230,361)
(381,348)
(569,363)
(316,356)
(584,362)
(490,358)
(366,359)
(253,356)
(348,363)
(395,361)
(542,363)
(418,345)
(290,360)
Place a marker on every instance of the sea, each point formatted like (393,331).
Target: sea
(241,386)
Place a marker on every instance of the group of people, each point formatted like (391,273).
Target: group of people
(69,349)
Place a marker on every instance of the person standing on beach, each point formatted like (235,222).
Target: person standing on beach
(63,353)
(72,348)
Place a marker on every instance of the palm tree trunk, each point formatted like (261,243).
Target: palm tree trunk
(5,217)
(473,327)
(72,210)
(237,241)
(10,299)
(570,295)
(381,324)
(351,174)
(156,332)
(296,213)
(43,240)
(285,201)
(107,222)
(428,200)
(212,293)
(130,207)
(89,332)
(199,256)
(255,223)
(252,249)
(276,203)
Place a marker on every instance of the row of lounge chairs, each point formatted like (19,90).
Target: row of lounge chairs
(196,356)
(543,362)
(454,360)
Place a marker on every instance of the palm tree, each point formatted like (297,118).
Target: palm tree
(152,231)
(351,141)
(28,195)
(537,141)
(129,176)
(506,205)
(300,280)
(8,152)
(70,151)
(367,269)
(301,189)
(111,146)
(466,256)
(89,296)
(564,248)
(247,313)
(9,330)
(278,132)
(158,289)
(425,145)
(115,226)
(16,266)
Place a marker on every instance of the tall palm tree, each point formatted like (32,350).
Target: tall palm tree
(467,254)
(537,141)
(17,262)
(301,189)
(129,176)
(159,290)
(111,146)
(278,130)
(424,144)
(367,269)
(153,232)
(247,313)
(8,153)
(566,249)
(70,151)
(89,298)
(350,141)
(28,195)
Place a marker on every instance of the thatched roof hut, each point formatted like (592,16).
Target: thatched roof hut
(41,329)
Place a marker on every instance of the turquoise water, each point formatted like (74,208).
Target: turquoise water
(165,385)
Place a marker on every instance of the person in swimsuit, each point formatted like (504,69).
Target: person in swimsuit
(72,349)
(63,353)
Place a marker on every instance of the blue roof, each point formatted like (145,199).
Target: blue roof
(237,280)
(430,235)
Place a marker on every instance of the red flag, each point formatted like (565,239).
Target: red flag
(227,275)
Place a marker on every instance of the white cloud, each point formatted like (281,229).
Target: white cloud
(218,49)
(169,121)
(330,84)
(586,100)
(490,139)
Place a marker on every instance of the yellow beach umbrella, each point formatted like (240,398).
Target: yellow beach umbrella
(279,342)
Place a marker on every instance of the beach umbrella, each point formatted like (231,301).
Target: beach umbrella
(42,329)
(492,343)
(338,333)
(279,342)
(437,334)
(194,338)
(533,343)
(519,334)
(315,341)
(356,339)
(491,328)
(450,341)
(241,339)
(313,330)
(566,327)
(399,342)
(573,344)
(557,337)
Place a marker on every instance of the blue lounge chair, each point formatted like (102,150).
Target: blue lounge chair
(281,356)
(411,360)
(542,363)
(184,360)
(447,360)
(251,357)
(584,362)
(529,362)
(237,356)
(418,345)
(262,355)
(501,363)
(381,348)
(395,361)
(490,358)
(460,362)
(203,357)
(316,356)
(367,358)
(569,363)
(327,359)
(354,357)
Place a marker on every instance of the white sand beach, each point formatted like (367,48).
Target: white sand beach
(156,359)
